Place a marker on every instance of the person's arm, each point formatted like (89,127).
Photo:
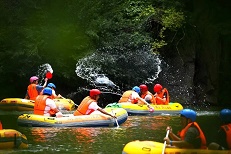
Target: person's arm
(55,95)
(221,139)
(53,106)
(45,83)
(189,141)
(176,141)
(163,100)
(27,96)
(172,135)
(104,112)
(179,144)
(143,101)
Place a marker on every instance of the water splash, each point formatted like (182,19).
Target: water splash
(127,68)
(87,69)
(42,70)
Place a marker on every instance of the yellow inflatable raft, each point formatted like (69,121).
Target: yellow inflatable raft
(19,104)
(151,147)
(96,119)
(135,109)
(10,138)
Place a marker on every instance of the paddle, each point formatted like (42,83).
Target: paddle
(165,142)
(149,106)
(49,75)
(115,119)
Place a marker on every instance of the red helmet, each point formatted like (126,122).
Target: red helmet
(143,87)
(157,87)
(94,92)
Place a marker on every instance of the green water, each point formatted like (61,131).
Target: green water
(102,140)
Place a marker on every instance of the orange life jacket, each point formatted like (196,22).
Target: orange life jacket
(227,129)
(32,91)
(201,135)
(153,99)
(83,107)
(161,95)
(0,125)
(126,97)
(52,96)
(40,105)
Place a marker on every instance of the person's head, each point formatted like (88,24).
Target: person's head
(47,91)
(136,89)
(157,88)
(51,85)
(187,116)
(225,116)
(143,88)
(94,94)
(34,79)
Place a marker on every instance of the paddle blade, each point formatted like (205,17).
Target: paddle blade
(48,75)
(151,109)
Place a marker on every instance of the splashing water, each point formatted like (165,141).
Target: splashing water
(87,69)
(42,70)
(125,68)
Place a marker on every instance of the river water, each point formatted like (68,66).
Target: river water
(102,140)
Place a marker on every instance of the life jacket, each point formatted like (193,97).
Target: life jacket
(153,99)
(201,134)
(83,107)
(227,129)
(161,95)
(52,96)
(126,97)
(0,125)
(32,91)
(40,105)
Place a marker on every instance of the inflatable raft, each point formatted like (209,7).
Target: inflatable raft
(19,104)
(135,109)
(10,138)
(96,119)
(151,147)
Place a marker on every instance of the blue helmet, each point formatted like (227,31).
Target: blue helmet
(188,113)
(136,89)
(225,115)
(47,91)
(51,85)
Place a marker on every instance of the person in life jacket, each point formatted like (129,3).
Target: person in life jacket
(130,96)
(33,90)
(191,136)
(223,138)
(89,104)
(46,106)
(53,87)
(161,95)
(147,95)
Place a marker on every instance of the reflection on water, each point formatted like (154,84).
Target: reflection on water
(103,140)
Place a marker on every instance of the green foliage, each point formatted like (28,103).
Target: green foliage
(59,33)
(173,19)
(33,33)
(133,24)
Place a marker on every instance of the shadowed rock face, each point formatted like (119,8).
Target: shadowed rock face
(202,55)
